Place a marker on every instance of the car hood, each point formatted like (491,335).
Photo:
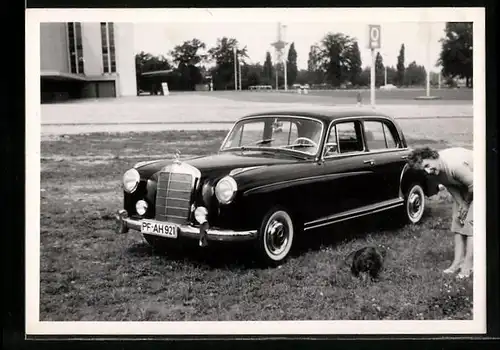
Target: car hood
(221,163)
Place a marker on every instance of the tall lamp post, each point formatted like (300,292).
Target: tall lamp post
(385,69)
(285,58)
(235,71)
(428,70)
(239,72)
(279,45)
(426,37)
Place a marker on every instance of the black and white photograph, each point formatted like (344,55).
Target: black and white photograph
(255,171)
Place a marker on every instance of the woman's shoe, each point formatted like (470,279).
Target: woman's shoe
(464,273)
(452,269)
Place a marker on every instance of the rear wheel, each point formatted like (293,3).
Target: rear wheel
(414,205)
(276,236)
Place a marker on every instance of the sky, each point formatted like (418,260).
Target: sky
(160,38)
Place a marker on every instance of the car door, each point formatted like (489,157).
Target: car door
(388,157)
(347,164)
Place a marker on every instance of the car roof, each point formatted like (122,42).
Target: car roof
(325,114)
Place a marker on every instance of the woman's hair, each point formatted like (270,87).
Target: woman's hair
(419,154)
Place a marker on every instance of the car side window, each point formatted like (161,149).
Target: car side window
(378,136)
(391,141)
(348,138)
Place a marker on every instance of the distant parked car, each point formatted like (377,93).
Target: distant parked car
(388,87)
(278,175)
(260,87)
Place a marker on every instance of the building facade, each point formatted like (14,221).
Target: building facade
(87,60)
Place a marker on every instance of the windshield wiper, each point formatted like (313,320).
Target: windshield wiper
(264,141)
(284,151)
(300,145)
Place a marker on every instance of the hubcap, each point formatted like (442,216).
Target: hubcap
(276,237)
(415,204)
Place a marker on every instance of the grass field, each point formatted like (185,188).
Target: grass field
(88,272)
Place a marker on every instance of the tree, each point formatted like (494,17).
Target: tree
(456,57)
(364,77)
(187,56)
(315,65)
(400,66)
(268,70)
(146,62)
(335,59)
(379,70)
(392,76)
(303,77)
(291,66)
(434,79)
(188,53)
(222,54)
(355,69)
(335,49)
(251,75)
(415,75)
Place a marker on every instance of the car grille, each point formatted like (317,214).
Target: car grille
(173,196)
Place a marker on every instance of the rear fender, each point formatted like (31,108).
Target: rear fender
(410,175)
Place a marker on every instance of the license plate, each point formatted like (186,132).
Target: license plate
(159,229)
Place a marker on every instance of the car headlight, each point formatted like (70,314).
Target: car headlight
(131,179)
(226,189)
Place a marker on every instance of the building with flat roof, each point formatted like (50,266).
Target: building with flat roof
(87,60)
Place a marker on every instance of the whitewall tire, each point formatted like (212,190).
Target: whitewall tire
(414,203)
(276,236)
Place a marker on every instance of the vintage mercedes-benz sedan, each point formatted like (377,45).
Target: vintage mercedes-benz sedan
(278,175)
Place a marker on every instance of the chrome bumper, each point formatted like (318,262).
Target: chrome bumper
(187,231)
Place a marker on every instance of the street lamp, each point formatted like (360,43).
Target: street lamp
(279,47)
(428,70)
(235,72)
(285,57)
(239,72)
(385,69)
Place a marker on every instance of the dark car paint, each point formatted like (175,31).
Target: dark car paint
(310,188)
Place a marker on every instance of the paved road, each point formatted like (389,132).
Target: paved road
(197,111)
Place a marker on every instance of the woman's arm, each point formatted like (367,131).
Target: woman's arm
(465,175)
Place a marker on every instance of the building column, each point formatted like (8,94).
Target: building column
(126,84)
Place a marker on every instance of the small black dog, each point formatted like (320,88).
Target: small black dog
(367,260)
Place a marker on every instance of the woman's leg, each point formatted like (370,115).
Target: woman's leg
(458,255)
(459,241)
(466,268)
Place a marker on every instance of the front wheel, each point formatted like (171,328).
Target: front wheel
(276,235)
(414,203)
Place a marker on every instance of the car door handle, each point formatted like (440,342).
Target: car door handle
(369,161)
(404,157)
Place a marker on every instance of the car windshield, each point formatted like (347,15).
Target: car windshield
(296,134)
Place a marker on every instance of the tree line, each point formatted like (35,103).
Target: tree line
(333,62)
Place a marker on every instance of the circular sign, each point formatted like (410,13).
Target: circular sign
(374,33)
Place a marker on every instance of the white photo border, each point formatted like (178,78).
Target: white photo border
(365,15)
